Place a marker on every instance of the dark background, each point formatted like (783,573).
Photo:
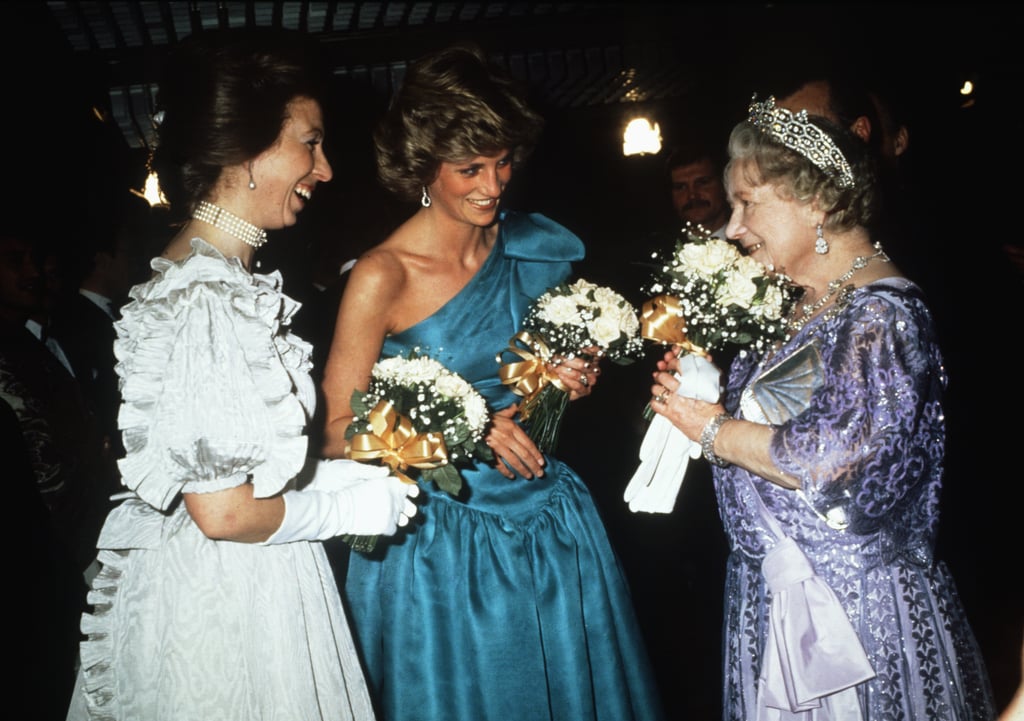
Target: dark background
(699,65)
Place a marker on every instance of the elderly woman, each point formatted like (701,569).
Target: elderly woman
(827,456)
(519,604)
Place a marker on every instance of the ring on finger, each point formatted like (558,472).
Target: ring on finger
(662,397)
(584,380)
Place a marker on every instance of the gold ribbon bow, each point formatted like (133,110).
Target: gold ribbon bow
(394,440)
(529,376)
(661,320)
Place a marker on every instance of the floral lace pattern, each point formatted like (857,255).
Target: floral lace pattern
(869,448)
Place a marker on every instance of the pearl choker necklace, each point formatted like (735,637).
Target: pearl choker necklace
(809,309)
(230,224)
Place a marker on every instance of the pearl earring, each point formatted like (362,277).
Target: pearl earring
(425,198)
(252,183)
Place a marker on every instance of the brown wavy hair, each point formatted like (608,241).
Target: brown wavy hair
(223,98)
(453,105)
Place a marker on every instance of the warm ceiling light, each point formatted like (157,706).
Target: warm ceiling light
(151,191)
(967,88)
(640,137)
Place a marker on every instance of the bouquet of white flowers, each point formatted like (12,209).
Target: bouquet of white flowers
(417,414)
(708,295)
(580,319)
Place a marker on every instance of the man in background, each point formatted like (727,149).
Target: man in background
(695,173)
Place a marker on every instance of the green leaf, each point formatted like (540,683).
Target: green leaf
(445,477)
(359,407)
(363,544)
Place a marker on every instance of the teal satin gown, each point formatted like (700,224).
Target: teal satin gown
(509,602)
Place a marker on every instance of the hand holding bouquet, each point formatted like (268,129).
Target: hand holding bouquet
(708,295)
(570,320)
(417,416)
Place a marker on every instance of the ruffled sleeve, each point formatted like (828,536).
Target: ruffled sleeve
(208,401)
(541,251)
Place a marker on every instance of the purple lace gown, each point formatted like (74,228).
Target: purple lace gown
(868,449)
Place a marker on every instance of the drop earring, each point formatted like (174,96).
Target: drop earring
(820,244)
(425,198)
(252,183)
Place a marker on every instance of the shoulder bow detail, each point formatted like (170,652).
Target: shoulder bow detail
(541,252)
(535,237)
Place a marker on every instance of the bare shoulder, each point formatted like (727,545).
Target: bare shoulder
(378,269)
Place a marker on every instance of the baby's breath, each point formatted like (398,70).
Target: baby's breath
(571,317)
(725,297)
(435,400)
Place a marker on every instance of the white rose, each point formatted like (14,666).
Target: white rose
(607,298)
(450,386)
(749,267)
(582,287)
(738,289)
(560,310)
(628,322)
(604,329)
(710,257)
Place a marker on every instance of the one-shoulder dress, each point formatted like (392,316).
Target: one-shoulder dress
(867,444)
(509,603)
(216,393)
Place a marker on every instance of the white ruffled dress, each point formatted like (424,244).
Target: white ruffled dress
(216,392)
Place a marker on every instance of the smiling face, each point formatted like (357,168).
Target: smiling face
(287,173)
(776,230)
(470,191)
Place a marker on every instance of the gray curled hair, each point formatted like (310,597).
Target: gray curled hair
(766,160)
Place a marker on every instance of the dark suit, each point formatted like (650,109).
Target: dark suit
(86,333)
(61,437)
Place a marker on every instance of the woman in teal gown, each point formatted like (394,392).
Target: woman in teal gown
(507,601)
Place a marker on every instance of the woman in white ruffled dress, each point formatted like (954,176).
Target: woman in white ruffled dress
(215,599)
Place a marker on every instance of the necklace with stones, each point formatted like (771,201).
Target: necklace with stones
(834,286)
(230,224)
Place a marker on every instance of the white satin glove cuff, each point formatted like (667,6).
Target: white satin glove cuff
(366,508)
(340,473)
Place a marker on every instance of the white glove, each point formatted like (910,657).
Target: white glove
(375,507)
(340,473)
(665,451)
(656,482)
(651,449)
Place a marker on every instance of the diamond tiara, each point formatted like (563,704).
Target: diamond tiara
(230,224)
(799,134)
